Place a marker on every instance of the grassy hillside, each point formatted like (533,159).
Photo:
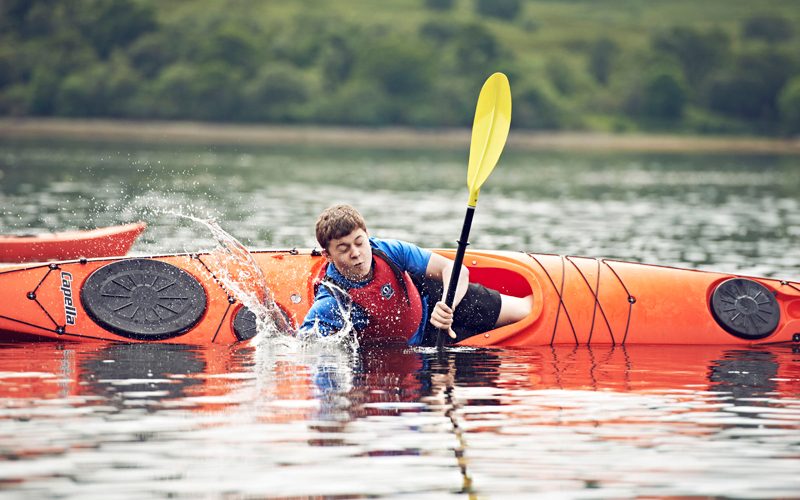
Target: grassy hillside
(713,66)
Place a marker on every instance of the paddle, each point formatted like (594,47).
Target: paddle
(489,133)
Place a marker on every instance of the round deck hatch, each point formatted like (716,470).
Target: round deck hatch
(745,308)
(144,299)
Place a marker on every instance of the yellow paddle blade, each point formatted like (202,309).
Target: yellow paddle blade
(489,132)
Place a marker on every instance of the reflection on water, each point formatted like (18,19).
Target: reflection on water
(175,421)
(285,418)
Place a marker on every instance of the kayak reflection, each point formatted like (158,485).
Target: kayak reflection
(334,382)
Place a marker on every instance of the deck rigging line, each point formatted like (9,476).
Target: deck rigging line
(597,304)
(631,300)
(560,293)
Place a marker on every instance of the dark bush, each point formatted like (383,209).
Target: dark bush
(664,95)
(476,49)
(439,4)
(103,89)
(750,90)
(537,106)
(503,9)
(439,32)
(698,52)
(399,66)
(769,28)
(601,59)
(276,94)
(108,24)
(789,106)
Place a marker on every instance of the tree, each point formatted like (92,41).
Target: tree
(664,95)
(789,106)
(601,59)
(276,93)
(750,89)
(438,31)
(537,106)
(103,89)
(769,28)
(475,47)
(337,59)
(503,9)
(698,53)
(565,76)
(208,91)
(399,66)
(108,24)
(439,4)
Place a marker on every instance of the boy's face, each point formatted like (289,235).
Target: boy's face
(351,255)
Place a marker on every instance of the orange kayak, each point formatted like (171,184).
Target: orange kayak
(578,300)
(100,242)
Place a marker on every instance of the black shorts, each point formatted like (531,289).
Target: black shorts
(476,313)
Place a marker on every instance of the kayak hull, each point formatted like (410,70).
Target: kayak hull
(577,300)
(100,242)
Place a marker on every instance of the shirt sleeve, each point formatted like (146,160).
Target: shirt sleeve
(408,256)
(325,317)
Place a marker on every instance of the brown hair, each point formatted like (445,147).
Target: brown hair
(338,221)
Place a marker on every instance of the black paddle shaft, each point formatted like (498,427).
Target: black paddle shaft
(463,241)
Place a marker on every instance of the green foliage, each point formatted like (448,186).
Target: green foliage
(475,48)
(151,53)
(566,76)
(789,106)
(108,24)
(347,105)
(537,106)
(438,32)
(503,9)
(276,94)
(601,59)
(750,90)
(202,92)
(706,122)
(664,95)
(606,64)
(399,66)
(698,52)
(102,89)
(337,60)
(439,4)
(42,91)
(769,28)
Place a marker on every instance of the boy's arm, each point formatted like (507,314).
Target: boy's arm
(323,319)
(441,268)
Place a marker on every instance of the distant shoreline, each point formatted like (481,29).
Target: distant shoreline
(393,137)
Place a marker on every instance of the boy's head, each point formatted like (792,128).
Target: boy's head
(336,222)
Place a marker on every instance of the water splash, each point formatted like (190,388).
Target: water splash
(237,271)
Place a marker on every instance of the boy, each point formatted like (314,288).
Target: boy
(397,288)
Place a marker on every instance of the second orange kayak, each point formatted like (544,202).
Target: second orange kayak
(578,300)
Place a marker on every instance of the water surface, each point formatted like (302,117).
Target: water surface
(279,420)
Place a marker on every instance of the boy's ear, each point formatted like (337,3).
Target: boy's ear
(326,254)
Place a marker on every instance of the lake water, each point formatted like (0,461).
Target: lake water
(277,420)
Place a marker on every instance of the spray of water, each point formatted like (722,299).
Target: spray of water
(237,271)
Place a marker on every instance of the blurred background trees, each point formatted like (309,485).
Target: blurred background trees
(723,66)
